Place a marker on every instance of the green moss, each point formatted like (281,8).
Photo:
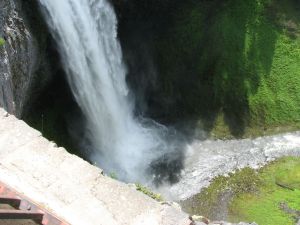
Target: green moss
(148,192)
(256,196)
(221,130)
(289,176)
(235,60)
(2,42)
(206,203)
(267,202)
(264,211)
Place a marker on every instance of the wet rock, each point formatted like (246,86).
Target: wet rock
(21,57)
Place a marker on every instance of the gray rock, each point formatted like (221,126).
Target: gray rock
(21,57)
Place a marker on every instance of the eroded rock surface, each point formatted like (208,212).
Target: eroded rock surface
(21,56)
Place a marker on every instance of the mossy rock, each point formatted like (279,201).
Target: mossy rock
(255,195)
(280,186)
(289,175)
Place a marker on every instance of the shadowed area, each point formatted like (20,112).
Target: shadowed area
(214,61)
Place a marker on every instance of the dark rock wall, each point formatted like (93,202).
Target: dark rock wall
(24,67)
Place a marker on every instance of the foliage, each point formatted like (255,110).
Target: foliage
(2,42)
(148,192)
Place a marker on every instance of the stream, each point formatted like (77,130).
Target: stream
(208,159)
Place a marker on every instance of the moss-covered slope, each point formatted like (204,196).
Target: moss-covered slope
(238,58)
(233,65)
(269,196)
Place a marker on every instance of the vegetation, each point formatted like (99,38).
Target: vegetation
(281,187)
(228,66)
(244,57)
(113,175)
(2,41)
(269,196)
(207,202)
(148,192)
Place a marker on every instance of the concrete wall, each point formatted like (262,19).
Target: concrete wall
(70,187)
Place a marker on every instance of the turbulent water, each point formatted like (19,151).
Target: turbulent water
(207,159)
(86,33)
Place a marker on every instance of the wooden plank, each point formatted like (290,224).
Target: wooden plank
(15,202)
(20,214)
(29,207)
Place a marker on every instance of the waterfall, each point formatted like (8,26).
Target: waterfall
(86,34)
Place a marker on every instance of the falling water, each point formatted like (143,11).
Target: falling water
(86,33)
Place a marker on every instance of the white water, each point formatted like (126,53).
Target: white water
(86,33)
(205,160)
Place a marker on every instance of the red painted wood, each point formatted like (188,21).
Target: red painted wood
(15,202)
(24,208)
(20,214)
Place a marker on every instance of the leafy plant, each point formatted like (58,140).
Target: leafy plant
(2,42)
(148,192)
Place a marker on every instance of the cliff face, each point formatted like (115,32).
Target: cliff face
(228,67)
(244,58)
(23,67)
